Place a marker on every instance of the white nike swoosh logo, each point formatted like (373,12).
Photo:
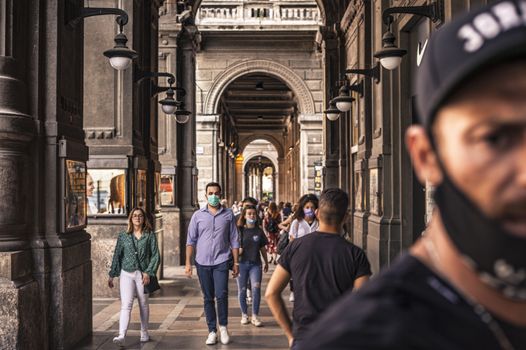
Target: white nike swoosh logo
(420,53)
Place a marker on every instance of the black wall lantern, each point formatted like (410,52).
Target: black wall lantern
(344,100)
(332,113)
(373,73)
(391,56)
(168,104)
(120,56)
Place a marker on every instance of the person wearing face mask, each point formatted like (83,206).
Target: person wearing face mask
(252,248)
(213,234)
(463,284)
(323,265)
(304,222)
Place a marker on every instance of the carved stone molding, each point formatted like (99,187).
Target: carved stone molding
(97,133)
(238,69)
(321,5)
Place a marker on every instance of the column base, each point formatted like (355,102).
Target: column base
(21,323)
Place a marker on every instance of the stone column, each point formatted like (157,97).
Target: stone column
(19,291)
(281,178)
(260,182)
(311,150)
(186,133)
(238,179)
(331,146)
(206,143)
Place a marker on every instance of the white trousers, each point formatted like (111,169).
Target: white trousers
(131,285)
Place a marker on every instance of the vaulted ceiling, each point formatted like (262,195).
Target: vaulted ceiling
(258,102)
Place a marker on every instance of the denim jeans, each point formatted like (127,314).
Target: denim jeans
(214,283)
(253,271)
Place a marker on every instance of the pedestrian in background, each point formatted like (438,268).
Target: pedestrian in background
(271,225)
(252,249)
(214,236)
(304,222)
(323,265)
(135,260)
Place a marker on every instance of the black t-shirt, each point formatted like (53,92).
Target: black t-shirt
(251,240)
(405,307)
(323,267)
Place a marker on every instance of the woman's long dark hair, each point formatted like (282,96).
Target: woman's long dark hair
(300,214)
(273,211)
(241,222)
(146,225)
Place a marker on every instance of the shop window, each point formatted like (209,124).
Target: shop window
(106,191)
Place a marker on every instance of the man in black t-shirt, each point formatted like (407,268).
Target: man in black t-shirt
(323,265)
(463,284)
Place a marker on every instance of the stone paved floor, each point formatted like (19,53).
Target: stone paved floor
(177,320)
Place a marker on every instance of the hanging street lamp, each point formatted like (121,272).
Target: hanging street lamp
(120,56)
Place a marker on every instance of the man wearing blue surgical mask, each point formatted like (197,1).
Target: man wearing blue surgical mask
(213,234)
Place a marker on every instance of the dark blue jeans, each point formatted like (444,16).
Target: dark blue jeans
(249,272)
(214,283)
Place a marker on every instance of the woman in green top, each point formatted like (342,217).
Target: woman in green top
(135,259)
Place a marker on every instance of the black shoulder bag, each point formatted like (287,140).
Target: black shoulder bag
(154,283)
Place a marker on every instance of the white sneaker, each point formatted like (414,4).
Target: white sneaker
(119,340)
(145,336)
(256,322)
(291,297)
(244,319)
(212,338)
(225,337)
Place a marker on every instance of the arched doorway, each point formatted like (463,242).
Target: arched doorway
(261,170)
(260,179)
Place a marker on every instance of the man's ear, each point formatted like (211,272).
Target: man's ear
(317,212)
(423,156)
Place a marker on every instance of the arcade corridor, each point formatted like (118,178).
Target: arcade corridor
(110,105)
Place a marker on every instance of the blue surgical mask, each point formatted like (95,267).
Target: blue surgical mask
(251,221)
(213,200)
(308,213)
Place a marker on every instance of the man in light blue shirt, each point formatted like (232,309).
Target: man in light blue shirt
(213,234)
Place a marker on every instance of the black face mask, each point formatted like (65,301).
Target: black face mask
(498,257)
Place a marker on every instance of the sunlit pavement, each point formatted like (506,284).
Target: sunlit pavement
(177,320)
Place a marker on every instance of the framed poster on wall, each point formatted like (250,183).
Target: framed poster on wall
(106,192)
(167,189)
(75,194)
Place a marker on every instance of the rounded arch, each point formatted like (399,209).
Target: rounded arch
(244,141)
(321,6)
(262,155)
(238,69)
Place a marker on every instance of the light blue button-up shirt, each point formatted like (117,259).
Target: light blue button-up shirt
(212,235)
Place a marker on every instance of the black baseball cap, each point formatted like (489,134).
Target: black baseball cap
(492,34)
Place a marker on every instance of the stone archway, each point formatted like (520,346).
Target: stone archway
(238,69)
(244,141)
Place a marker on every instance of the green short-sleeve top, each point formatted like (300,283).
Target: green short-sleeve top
(124,257)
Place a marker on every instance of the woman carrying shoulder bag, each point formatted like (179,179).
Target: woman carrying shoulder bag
(135,260)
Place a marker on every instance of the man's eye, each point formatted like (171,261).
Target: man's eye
(503,138)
